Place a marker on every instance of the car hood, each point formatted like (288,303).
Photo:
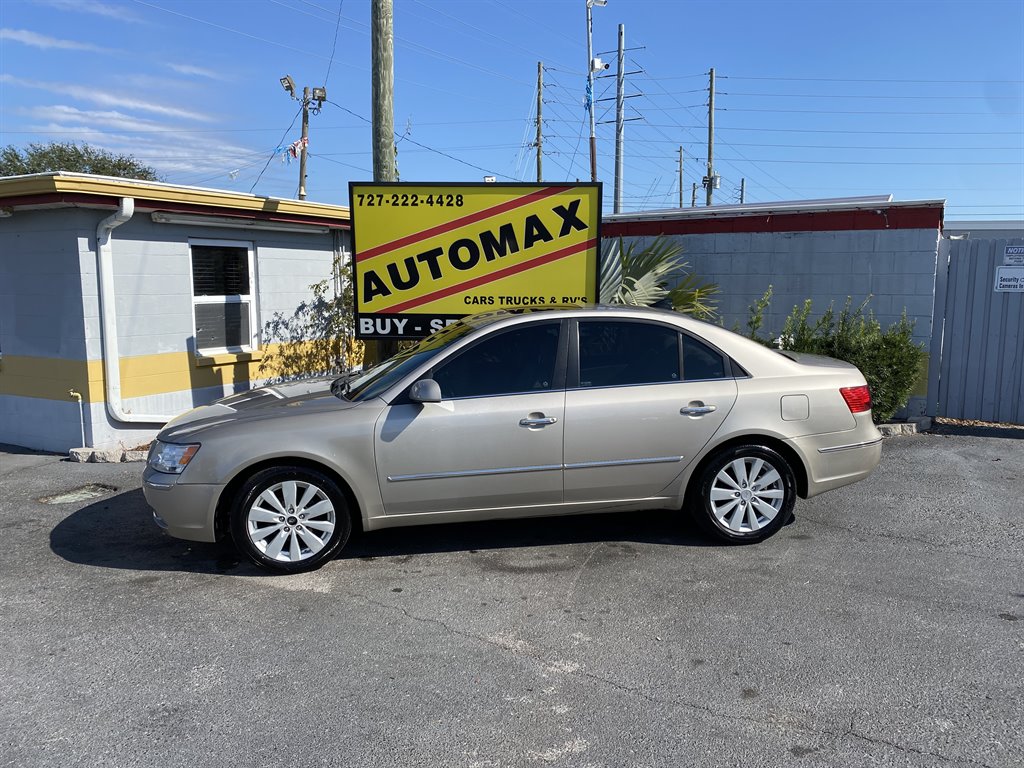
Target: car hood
(291,399)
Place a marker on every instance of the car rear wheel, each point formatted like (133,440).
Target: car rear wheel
(290,519)
(746,493)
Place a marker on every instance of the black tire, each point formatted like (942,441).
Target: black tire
(745,509)
(270,526)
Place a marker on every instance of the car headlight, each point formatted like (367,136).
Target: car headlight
(171,457)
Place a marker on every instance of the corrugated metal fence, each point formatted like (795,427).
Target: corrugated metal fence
(981,370)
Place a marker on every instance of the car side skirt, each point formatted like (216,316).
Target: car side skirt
(506,513)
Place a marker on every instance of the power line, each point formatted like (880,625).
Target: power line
(969,164)
(229,29)
(279,143)
(860,80)
(504,41)
(334,45)
(865,96)
(859,112)
(724,142)
(339,162)
(434,52)
(424,146)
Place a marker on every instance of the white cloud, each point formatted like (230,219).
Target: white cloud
(111,119)
(168,153)
(48,43)
(119,12)
(106,99)
(191,69)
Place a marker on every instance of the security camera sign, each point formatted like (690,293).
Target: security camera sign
(426,255)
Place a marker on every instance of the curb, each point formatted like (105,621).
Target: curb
(911,426)
(97,456)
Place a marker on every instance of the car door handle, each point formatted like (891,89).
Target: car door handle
(697,409)
(538,421)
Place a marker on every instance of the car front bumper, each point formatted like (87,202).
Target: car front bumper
(184,510)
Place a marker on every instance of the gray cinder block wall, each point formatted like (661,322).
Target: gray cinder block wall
(826,253)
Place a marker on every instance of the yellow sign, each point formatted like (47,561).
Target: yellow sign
(428,254)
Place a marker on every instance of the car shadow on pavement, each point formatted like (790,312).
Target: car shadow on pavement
(1007,432)
(118,532)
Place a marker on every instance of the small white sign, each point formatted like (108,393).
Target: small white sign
(1010,279)
(1013,255)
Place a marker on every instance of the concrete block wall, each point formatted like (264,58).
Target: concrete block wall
(50,329)
(40,290)
(894,267)
(42,338)
(152,270)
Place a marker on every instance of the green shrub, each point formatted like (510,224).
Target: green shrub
(889,359)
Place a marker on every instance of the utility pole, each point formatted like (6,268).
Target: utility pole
(540,120)
(383,64)
(318,95)
(590,85)
(693,200)
(680,177)
(710,178)
(305,142)
(743,191)
(620,132)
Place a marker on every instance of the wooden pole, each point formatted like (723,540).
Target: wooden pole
(383,66)
(305,141)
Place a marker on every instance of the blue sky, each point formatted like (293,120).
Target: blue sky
(819,98)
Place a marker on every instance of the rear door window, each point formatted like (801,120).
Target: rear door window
(616,354)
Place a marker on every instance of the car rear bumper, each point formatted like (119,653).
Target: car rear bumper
(184,510)
(839,458)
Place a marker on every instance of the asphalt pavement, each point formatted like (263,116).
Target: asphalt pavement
(883,627)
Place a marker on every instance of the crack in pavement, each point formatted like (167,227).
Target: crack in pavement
(523,649)
(579,571)
(854,733)
(988,557)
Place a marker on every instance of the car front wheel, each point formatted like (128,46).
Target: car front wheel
(746,493)
(290,519)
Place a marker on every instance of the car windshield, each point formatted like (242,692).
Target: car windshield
(373,382)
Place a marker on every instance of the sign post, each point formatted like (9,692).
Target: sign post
(426,255)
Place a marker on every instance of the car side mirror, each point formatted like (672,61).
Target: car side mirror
(425,391)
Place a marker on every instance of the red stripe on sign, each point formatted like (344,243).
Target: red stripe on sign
(490,278)
(508,205)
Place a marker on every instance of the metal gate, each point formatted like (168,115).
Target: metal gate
(979,336)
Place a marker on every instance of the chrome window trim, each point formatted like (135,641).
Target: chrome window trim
(849,447)
(649,384)
(624,462)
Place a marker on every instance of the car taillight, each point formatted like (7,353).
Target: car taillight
(858,399)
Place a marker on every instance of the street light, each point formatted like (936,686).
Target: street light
(289,85)
(590,84)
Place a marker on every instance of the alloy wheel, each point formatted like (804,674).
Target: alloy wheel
(746,495)
(291,521)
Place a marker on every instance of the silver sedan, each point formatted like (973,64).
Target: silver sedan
(519,414)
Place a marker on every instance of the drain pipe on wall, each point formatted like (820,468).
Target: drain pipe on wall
(108,319)
(75,395)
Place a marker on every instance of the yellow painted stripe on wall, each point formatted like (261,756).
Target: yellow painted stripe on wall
(50,378)
(177,372)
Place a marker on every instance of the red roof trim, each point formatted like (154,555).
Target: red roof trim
(823,221)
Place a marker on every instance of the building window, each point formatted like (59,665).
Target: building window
(223,296)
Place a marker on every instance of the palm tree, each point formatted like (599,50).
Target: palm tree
(641,276)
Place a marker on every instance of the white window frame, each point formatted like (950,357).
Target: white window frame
(251,297)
